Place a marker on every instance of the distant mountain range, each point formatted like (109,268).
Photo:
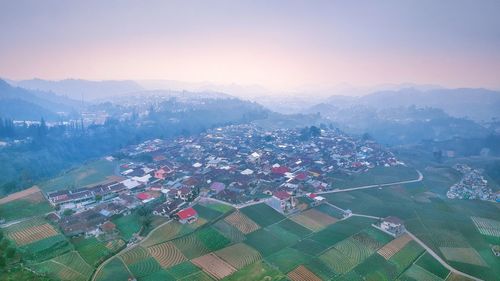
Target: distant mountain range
(78,89)
(22,104)
(474,104)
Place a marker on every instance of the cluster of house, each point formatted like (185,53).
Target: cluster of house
(471,186)
(391,225)
(236,164)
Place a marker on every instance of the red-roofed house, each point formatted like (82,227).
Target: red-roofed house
(281,170)
(301,176)
(188,215)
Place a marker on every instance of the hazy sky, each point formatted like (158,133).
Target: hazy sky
(277,44)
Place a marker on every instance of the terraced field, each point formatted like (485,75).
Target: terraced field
(134,255)
(144,267)
(214,266)
(91,250)
(68,267)
(416,272)
(167,254)
(336,260)
(239,255)
(302,274)
(242,222)
(391,248)
(229,231)
(356,251)
(113,271)
(190,246)
(33,234)
(165,233)
(487,226)
(212,239)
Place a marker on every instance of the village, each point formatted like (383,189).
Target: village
(236,165)
(472,186)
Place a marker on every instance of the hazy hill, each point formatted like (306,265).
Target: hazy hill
(475,104)
(22,104)
(78,89)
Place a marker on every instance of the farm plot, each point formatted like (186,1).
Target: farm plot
(256,271)
(310,247)
(182,270)
(144,267)
(355,250)
(429,263)
(294,228)
(68,267)
(302,274)
(47,248)
(341,230)
(376,267)
(128,225)
(112,271)
(367,240)
(242,222)
(336,260)
(229,231)
(165,233)
(262,214)
(285,235)
(207,213)
(313,219)
(134,255)
(166,254)
(190,246)
(199,276)
(391,248)
(13,206)
(287,259)
(320,269)
(464,255)
(214,266)
(160,275)
(265,242)
(239,255)
(330,210)
(406,256)
(33,234)
(487,226)
(416,272)
(91,250)
(212,239)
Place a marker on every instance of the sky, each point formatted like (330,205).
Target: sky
(281,45)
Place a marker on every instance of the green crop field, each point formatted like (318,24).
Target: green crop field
(287,259)
(438,222)
(128,225)
(265,242)
(166,232)
(207,213)
(144,267)
(91,250)
(376,267)
(88,174)
(239,255)
(430,264)
(134,255)
(406,256)
(330,210)
(183,269)
(319,268)
(113,271)
(416,272)
(341,230)
(262,214)
(17,209)
(294,228)
(190,246)
(288,237)
(160,275)
(229,231)
(310,247)
(66,267)
(47,248)
(212,239)
(257,271)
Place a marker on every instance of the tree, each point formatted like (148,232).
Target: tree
(10,252)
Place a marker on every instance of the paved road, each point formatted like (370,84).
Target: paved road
(420,178)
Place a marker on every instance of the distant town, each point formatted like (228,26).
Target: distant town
(472,186)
